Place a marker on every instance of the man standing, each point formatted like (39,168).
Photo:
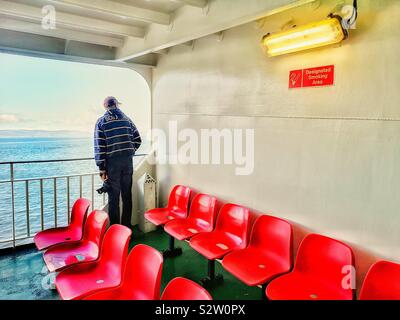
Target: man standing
(116,140)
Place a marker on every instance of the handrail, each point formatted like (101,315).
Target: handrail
(11,163)
(57,160)
(50,177)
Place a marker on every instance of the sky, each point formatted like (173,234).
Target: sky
(43,94)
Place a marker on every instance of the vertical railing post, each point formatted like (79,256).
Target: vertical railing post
(80,186)
(55,202)
(28,226)
(12,202)
(68,200)
(41,206)
(93,206)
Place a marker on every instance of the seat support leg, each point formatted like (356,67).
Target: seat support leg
(212,278)
(211,269)
(263,293)
(172,251)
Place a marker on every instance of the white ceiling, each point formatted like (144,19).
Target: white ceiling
(124,30)
(167,6)
(102,23)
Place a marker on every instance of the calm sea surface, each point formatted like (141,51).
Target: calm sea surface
(25,149)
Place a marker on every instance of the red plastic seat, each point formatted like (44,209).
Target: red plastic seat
(63,255)
(201,218)
(268,255)
(73,232)
(87,278)
(177,208)
(230,233)
(142,277)
(184,289)
(382,282)
(317,274)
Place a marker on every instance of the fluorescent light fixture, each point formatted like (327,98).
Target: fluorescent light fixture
(309,36)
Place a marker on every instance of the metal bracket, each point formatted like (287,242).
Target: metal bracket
(191,44)
(288,24)
(171,26)
(66,46)
(338,8)
(206,8)
(315,5)
(260,23)
(220,36)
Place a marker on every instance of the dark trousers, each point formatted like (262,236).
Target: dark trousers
(119,171)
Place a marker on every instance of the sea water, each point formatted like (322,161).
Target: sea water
(27,149)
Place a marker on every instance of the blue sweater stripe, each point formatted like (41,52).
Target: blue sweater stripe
(115,135)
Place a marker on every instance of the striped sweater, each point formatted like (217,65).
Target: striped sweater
(115,135)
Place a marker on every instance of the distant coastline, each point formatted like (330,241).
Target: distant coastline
(43,134)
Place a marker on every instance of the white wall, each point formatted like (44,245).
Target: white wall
(326,158)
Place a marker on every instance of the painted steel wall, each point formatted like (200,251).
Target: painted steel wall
(327,159)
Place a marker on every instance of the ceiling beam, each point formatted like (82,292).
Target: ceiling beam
(34,28)
(194,3)
(62,57)
(162,52)
(69,21)
(190,24)
(117,9)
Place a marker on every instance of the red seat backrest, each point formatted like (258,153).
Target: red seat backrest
(274,237)
(323,257)
(203,207)
(95,226)
(79,212)
(114,248)
(179,198)
(143,272)
(184,289)
(234,219)
(382,282)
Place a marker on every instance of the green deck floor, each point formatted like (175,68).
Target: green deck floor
(23,274)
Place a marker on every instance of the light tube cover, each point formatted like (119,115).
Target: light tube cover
(309,36)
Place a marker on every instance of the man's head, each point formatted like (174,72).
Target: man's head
(111,103)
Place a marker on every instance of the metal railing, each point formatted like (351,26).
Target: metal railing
(27,182)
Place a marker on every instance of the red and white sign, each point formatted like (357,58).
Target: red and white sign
(312,77)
